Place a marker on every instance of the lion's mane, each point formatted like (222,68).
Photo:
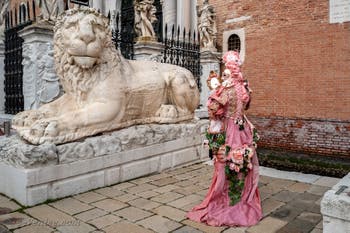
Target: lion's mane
(75,80)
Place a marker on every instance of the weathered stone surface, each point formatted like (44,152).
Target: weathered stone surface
(105,221)
(335,207)
(159,224)
(15,151)
(126,227)
(132,214)
(267,225)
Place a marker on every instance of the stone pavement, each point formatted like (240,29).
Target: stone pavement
(158,203)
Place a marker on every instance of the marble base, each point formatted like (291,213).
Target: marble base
(149,50)
(335,208)
(60,175)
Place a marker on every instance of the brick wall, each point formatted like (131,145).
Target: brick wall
(298,66)
(321,137)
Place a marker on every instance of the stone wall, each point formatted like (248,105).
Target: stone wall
(322,137)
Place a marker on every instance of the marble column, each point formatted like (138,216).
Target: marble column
(209,61)
(2,76)
(98,4)
(183,14)
(169,14)
(193,13)
(40,82)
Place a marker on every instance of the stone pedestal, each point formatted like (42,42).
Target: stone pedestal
(148,49)
(2,76)
(40,82)
(209,61)
(33,174)
(335,207)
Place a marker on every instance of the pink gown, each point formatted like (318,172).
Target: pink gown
(215,209)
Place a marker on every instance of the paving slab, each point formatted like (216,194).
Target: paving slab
(286,213)
(310,217)
(4,229)
(51,216)
(187,229)
(91,214)
(285,196)
(71,206)
(105,221)
(126,227)
(144,203)
(109,192)
(159,224)
(297,225)
(109,205)
(181,202)
(80,228)
(89,197)
(203,227)
(132,214)
(270,205)
(299,187)
(235,230)
(16,220)
(327,181)
(267,225)
(167,197)
(34,229)
(171,213)
(318,190)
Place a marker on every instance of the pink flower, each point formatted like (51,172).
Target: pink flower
(236,169)
(232,166)
(250,166)
(237,156)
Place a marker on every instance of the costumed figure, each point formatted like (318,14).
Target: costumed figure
(233,198)
(145,15)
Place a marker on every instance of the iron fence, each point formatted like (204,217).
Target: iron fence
(182,50)
(15,20)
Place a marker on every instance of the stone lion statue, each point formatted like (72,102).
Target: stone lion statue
(104,91)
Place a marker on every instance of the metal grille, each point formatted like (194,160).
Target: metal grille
(184,52)
(14,22)
(234,43)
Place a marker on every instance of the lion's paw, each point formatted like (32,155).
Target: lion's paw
(167,111)
(26,118)
(44,128)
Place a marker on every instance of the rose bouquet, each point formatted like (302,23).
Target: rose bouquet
(238,164)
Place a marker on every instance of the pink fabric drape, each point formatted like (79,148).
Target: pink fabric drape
(215,209)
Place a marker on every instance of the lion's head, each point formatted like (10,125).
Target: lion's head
(83,45)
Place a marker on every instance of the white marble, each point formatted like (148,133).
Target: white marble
(148,51)
(40,82)
(339,11)
(36,185)
(209,61)
(335,207)
(102,90)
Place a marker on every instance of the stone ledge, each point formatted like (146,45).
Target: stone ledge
(335,207)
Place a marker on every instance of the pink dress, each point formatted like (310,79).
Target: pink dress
(215,209)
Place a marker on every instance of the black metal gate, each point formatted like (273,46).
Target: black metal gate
(127,32)
(183,50)
(14,22)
